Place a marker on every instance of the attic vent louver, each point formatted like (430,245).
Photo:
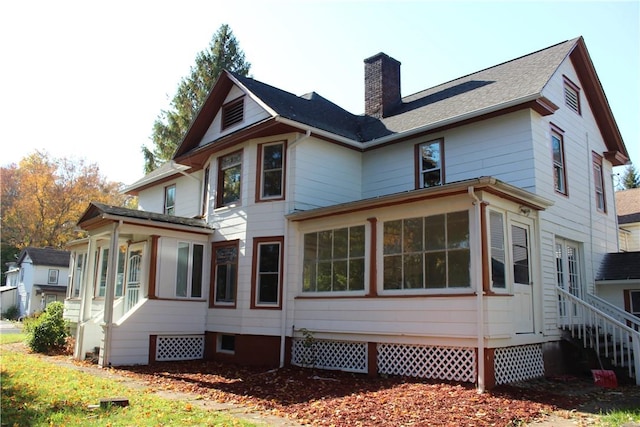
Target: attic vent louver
(232,113)
(571,95)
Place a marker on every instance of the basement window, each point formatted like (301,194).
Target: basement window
(571,95)
(226,343)
(232,113)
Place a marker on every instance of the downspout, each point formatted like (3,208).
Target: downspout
(109,292)
(479,290)
(285,254)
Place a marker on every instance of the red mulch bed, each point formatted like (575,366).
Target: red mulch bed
(328,398)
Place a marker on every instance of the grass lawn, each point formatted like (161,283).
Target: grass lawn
(38,393)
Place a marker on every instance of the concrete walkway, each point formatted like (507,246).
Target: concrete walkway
(7,327)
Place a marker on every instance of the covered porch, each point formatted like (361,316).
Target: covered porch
(138,275)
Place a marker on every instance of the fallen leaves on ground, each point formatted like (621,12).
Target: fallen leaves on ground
(327,398)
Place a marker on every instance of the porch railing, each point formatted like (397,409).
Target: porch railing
(609,337)
(617,313)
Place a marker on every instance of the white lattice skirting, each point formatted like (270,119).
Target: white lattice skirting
(179,347)
(445,363)
(518,363)
(325,354)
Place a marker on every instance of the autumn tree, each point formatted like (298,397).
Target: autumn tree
(630,178)
(171,125)
(43,198)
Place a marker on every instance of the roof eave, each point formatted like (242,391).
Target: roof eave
(490,184)
(537,102)
(617,153)
(105,218)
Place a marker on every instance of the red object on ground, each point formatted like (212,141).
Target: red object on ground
(604,378)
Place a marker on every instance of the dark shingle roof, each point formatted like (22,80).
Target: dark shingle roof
(510,82)
(96,209)
(46,256)
(311,109)
(619,266)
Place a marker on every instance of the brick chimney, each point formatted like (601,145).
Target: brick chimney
(381,85)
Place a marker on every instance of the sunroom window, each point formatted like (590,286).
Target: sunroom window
(334,260)
(427,252)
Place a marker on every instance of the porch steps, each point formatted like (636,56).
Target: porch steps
(585,357)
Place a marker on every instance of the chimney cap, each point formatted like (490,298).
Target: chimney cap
(380,55)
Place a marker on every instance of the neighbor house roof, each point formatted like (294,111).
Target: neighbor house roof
(98,214)
(45,256)
(509,86)
(619,266)
(628,205)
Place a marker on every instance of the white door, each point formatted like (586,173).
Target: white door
(521,276)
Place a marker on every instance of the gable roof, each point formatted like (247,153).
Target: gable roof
(628,205)
(45,256)
(619,266)
(98,214)
(512,85)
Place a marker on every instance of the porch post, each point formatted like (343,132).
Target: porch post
(112,266)
(86,295)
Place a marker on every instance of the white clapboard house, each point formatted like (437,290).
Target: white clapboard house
(453,233)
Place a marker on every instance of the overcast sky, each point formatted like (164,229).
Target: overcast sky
(86,79)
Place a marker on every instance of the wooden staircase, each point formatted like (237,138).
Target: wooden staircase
(612,334)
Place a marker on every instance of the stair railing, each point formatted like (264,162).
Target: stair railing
(614,311)
(598,330)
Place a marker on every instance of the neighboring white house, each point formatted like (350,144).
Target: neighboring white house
(387,237)
(9,291)
(42,277)
(618,280)
(628,207)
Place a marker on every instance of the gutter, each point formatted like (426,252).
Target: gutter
(489,184)
(158,224)
(415,131)
(451,120)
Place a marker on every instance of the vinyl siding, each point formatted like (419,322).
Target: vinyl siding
(573,217)
(188,196)
(499,147)
(130,340)
(325,174)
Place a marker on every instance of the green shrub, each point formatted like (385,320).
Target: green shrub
(49,331)
(12,313)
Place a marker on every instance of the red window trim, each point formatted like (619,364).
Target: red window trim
(416,156)
(558,131)
(596,159)
(259,198)
(212,279)
(254,272)
(220,180)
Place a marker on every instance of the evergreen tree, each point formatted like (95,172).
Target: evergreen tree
(171,125)
(630,178)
